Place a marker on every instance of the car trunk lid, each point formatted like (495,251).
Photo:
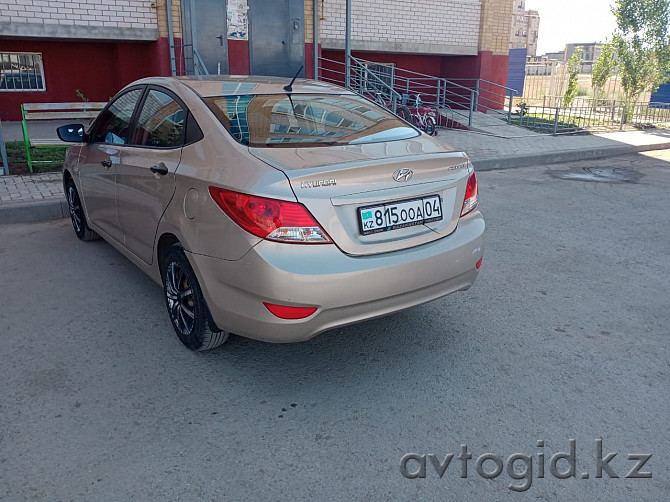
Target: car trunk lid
(342,185)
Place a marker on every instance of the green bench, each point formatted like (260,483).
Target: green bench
(53,111)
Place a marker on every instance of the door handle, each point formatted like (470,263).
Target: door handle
(159,169)
(220,37)
(106,163)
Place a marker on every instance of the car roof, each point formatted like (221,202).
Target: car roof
(207,86)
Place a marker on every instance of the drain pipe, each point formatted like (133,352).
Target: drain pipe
(168,8)
(347,46)
(315,39)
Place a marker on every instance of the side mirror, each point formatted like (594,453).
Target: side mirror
(72,133)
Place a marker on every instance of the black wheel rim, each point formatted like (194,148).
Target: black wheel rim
(180,298)
(75,208)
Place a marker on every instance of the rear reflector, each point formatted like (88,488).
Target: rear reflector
(271,219)
(479,263)
(471,195)
(288,312)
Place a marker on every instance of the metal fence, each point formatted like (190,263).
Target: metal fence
(456,100)
(591,116)
(551,79)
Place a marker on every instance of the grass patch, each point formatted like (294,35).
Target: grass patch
(18,164)
(539,121)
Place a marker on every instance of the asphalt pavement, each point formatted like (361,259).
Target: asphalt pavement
(564,337)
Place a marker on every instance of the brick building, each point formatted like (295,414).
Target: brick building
(447,38)
(525,28)
(94,46)
(50,49)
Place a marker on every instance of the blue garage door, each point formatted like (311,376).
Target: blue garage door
(662,95)
(516,72)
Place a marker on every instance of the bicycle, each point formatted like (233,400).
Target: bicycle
(400,110)
(424,117)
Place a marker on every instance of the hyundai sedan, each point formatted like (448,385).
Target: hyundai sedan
(273,209)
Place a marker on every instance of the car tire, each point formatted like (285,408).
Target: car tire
(77,215)
(186,305)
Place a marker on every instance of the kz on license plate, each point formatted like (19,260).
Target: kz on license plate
(401,214)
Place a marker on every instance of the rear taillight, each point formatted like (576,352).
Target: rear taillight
(272,219)
(471,195)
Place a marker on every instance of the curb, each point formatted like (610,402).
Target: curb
(30,212)
(560,156)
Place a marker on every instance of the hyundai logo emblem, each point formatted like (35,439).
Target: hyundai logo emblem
(403,174)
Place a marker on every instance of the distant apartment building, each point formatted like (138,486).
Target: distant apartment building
(525,28)
(590,51)
(555,56)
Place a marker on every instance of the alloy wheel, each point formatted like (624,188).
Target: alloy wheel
(75,208)
(180,298)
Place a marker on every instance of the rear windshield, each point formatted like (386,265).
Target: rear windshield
(277,120)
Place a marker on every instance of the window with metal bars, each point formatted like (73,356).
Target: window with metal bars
(21,71)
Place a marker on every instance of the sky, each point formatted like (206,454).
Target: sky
(572,21)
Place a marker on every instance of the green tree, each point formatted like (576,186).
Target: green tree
(573,78)
(641,45)
(602,70)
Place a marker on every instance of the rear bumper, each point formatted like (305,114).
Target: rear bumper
(345,289)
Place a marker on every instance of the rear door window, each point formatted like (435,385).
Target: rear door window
(161,123)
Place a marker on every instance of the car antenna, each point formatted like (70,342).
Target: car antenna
(289,87)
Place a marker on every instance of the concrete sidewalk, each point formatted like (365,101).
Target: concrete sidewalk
(35,197)
(494,152)
(40,197)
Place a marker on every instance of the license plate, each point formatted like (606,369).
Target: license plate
(400,214)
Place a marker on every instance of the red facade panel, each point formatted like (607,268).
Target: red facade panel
(97,69)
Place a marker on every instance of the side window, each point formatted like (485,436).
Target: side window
(161,123)
(113,125)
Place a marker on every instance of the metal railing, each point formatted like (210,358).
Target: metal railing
(400,86)
(363,80)
(185,57)
(551,79)
(490,97)
(455,100)
(447,97)
(583,102)
(188,61)
(604,115)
